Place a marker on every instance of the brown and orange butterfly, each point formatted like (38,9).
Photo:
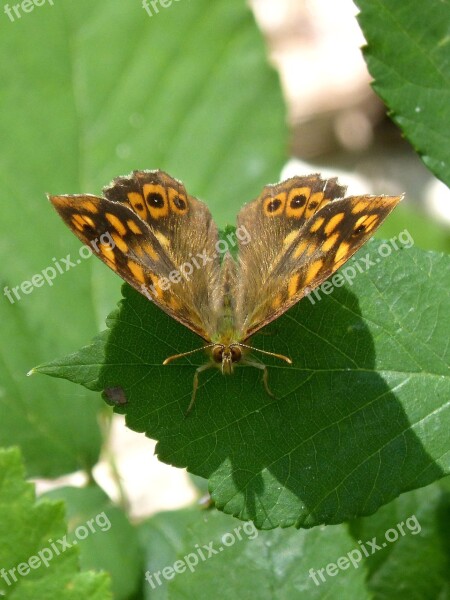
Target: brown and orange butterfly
(165,244)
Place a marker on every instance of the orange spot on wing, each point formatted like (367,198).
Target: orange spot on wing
(311,249)
(156,288)
(330,242)
(316,225)
(119,242)
(273,206)
(277,301)
(138,204)
(178,201)
(371,222)
(359,207)
(149,250)
(78,222)
(296,202)
(134,227)
(160,208)
(360,221)
(89,221)
(342,252)
(315,200)
(90,206)
(313,204)
(290,237)
(162,239)
(333,223)
(174,303)
(300,249)
(108,253)
(293,285)
(116,223)
(137,271)
(324,202)
(111,264)
(313,270)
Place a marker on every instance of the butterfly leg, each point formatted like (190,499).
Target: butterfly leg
(195,386)
(263,368)
(266,382)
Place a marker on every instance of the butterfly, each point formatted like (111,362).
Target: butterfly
(165,244)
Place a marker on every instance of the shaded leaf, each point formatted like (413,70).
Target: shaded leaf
(412,531)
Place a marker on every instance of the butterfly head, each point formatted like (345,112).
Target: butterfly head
(226,355)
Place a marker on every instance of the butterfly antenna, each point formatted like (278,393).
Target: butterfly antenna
(280,356)
(175,356)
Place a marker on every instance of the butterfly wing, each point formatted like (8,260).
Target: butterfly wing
(157,238)
(301,231)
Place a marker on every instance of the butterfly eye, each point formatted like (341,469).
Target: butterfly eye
(217,354)
(236,353)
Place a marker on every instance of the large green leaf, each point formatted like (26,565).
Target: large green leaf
(37,559)
(188,553)
(91,91)
(361,416)
(408,55)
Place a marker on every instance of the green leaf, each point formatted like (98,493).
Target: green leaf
(254,564)
(365,559)
(408,56)
(412,531)
(113,547)
(361,416)
(32,567)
